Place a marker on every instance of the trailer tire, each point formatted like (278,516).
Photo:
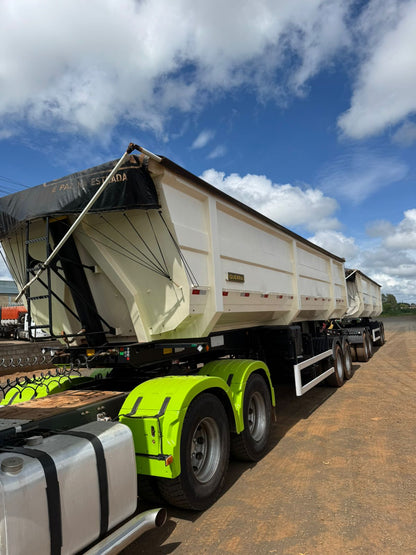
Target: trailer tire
(380,342)
(382,336)
(363,354)
(337,378)
(205,452)
(347,358)
(251,444)
(370,343)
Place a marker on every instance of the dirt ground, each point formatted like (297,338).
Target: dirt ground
(339,477)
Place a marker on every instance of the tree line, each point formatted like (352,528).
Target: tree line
(391,306)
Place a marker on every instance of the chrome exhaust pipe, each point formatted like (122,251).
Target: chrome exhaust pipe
(130,531)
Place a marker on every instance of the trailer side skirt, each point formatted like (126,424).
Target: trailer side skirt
(297,369)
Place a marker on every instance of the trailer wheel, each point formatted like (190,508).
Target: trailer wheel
(205,451)
(370,344)
(337,378)
(347,356)
(380,342)
(362,351)
(251,444)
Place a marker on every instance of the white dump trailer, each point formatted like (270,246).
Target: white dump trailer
(183,262)
(178,309)
(364,297)
(358,323)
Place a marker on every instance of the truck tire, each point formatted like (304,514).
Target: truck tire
(337,378)
(382,336)
(347,357)
(251,444)
(370,343)
(363,354)
(205,452)
(380,342)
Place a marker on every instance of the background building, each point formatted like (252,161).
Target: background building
(8,292)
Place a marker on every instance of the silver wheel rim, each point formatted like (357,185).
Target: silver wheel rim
(205,450)
(338,365)
(256,416)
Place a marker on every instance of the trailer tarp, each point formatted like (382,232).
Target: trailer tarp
(131,187)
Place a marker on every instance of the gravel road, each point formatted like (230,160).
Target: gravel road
(339,477)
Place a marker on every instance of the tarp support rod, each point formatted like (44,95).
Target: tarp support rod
(73,227)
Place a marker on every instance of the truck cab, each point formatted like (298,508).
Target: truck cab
(27,330)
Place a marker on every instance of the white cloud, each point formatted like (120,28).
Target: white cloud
(4,271)
(6,133)
(359,174)
(203,138)
(218,152)
(404,236)
(405,134)
(389,258)
(286,204)
(317,42)
(379,228)
(336,243)
(392,260)
(403,289)
(384,93)
(85,66)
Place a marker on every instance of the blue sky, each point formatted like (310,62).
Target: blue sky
(304,110)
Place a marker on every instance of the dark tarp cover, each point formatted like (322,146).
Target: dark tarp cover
(131,187)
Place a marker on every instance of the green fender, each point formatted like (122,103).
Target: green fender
(236,372)
(37,388)
(155,412)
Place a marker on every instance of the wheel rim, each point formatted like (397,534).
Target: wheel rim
(338,365)
(205,449)
(256,416)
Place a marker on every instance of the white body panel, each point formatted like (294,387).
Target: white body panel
(244,269)
(24,522)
